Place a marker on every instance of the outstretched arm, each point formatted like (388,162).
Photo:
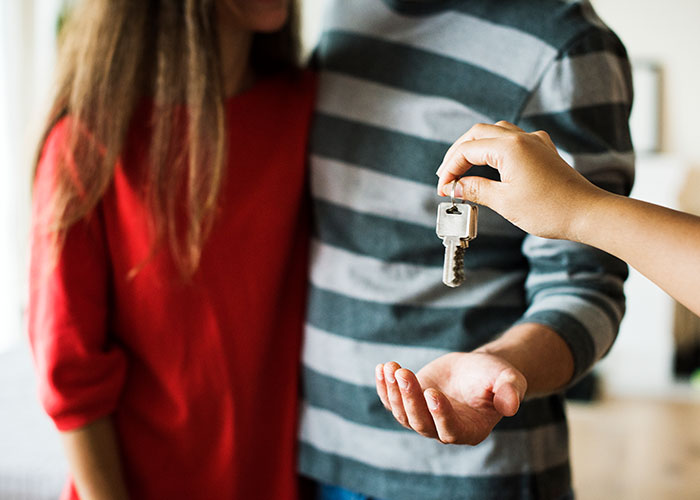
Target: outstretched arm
(661,243)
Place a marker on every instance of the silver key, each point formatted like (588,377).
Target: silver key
(456,225)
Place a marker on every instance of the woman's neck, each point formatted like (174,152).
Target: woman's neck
(234,49)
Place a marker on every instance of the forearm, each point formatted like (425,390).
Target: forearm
(93,455)
(661,243)
(539,353)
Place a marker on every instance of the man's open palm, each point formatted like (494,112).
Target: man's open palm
(458,398)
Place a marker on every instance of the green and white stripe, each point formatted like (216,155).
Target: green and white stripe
(400,80)
(506,452)
(512,54)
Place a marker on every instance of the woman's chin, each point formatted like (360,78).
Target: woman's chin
(269,24)
(264,16)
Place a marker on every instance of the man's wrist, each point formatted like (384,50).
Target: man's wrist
(538,352)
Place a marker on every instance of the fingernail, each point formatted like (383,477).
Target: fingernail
(437,172)
(459,191)
(390,377)
(379,372)
(403,383)
(432,401)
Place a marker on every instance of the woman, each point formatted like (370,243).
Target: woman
(169,248)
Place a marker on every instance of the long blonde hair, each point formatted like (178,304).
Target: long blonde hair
(112,54)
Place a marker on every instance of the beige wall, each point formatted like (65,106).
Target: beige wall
(667,32)
(663,31)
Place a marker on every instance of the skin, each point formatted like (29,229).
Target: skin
(237,21)
(474,391)
(459,397)
(93,450)
(659,242)
(95,464)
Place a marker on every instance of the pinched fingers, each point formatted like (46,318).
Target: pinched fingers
(473,188)
(487,145)
(478,131)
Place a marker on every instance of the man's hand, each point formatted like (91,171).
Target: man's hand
(457,398)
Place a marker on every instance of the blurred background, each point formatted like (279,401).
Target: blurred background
(635,432)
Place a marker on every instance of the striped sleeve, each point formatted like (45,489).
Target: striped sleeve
(583,101)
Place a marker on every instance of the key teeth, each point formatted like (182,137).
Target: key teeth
(458,269)
(454,275)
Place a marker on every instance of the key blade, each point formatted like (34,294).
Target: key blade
(448,274)
(453,267)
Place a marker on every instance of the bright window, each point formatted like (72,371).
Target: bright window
(27,55)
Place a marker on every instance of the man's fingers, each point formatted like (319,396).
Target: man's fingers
(448,425)
(508,391)
(381,386)
(453,167)
(394,394)
(419,418)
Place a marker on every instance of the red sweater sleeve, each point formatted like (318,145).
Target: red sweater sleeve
(80,372)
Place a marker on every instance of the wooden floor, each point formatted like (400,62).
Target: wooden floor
(635,450)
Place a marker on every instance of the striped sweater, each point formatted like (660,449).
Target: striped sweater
(399,81)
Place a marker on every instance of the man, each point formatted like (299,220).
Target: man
(400,81)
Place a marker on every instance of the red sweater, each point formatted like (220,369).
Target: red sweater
(200,378)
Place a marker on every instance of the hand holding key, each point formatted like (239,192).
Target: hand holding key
(539,192)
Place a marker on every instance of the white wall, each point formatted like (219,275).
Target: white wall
(666,31)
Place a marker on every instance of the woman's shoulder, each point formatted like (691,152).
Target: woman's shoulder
(53,154)
(55,139)
(61,135)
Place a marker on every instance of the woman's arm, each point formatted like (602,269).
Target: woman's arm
(543,195)
(661,243)
(93,455)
